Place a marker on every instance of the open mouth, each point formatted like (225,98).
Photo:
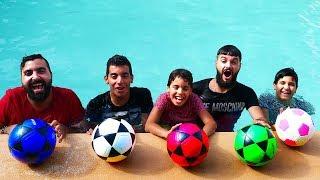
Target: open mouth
(227,73)
(179,99)
(37,87)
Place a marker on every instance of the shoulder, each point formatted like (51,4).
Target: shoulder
(99,99)
(15,93)
(243,87)
(199,86)
(139,91)
(63,91)
(202,82)
(16,90)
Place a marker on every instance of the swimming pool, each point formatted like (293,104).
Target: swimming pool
(77,37)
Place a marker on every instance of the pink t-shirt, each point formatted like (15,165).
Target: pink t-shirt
(178,114)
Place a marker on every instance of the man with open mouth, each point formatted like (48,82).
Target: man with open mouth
(223,96)
(37,98)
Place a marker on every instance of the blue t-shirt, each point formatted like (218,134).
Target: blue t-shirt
(269,101)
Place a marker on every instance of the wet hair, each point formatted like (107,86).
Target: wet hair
(230,50)
(182,73)
(286,72)
(31,58)
(118,60)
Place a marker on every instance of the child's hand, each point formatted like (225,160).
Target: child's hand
(172,128)
(90,131)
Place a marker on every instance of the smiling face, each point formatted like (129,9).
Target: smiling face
(119,80)
(227,70)
(36,79)
(179,91)
(285,88)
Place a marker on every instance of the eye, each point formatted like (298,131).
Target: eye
(126,75)
(28,72)
(234,62)
(186,88)
(175,87)
(113,76)
(41,70)
(292,84)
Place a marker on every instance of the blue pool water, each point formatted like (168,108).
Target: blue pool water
(77,37)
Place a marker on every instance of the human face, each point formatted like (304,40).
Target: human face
(227,70)
(285,88)
(36,79)
(179,91)
(119,80)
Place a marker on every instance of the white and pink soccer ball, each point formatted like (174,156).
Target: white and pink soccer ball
(294,127)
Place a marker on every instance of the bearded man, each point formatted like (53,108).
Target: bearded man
(224,97)
(37,98)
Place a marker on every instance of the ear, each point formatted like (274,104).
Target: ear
(274,86)
(106,79)
(131,79)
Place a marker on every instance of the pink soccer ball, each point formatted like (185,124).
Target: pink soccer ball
(294,127)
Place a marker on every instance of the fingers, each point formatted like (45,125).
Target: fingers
(263,123)
(60,130)
(90,131)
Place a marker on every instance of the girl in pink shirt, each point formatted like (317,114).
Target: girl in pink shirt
(178,105)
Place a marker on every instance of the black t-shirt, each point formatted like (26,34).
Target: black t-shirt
(101,108)
(225,108)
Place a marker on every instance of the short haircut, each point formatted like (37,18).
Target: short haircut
(182,73)
(230,50)
(286,72)
(118,60)
(31,58)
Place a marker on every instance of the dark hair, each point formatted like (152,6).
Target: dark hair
(183,73)
(286,72)
(31,58)
(230,50)
(118,60)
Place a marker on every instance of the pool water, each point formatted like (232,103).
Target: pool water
(77,37)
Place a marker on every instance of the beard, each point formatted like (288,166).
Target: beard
(224,84)
(41,96)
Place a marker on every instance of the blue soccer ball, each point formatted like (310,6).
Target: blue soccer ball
(32,142)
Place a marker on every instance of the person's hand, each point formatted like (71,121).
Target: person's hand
(172,128)
(8,129)
(282,109)
(263,123)
(90,131)
(60,129)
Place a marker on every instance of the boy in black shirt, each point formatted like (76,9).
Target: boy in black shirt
(122,101)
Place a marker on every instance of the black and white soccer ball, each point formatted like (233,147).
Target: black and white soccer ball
(113,139)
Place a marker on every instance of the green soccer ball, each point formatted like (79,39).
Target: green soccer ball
(255,145)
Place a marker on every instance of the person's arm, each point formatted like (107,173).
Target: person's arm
(258,116)
(152,125)
(7,129)
(210,124)
(144,117)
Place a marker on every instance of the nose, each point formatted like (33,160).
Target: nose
(35,75)
(286,86)
(119,79)
(228,64)
(179,91)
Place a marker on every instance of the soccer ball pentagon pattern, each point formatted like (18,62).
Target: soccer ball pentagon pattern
(113,139)
(294,127)
(32,142)
(255,145)
(187,145)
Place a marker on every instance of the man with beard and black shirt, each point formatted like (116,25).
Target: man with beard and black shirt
(37,98)
(224,97)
